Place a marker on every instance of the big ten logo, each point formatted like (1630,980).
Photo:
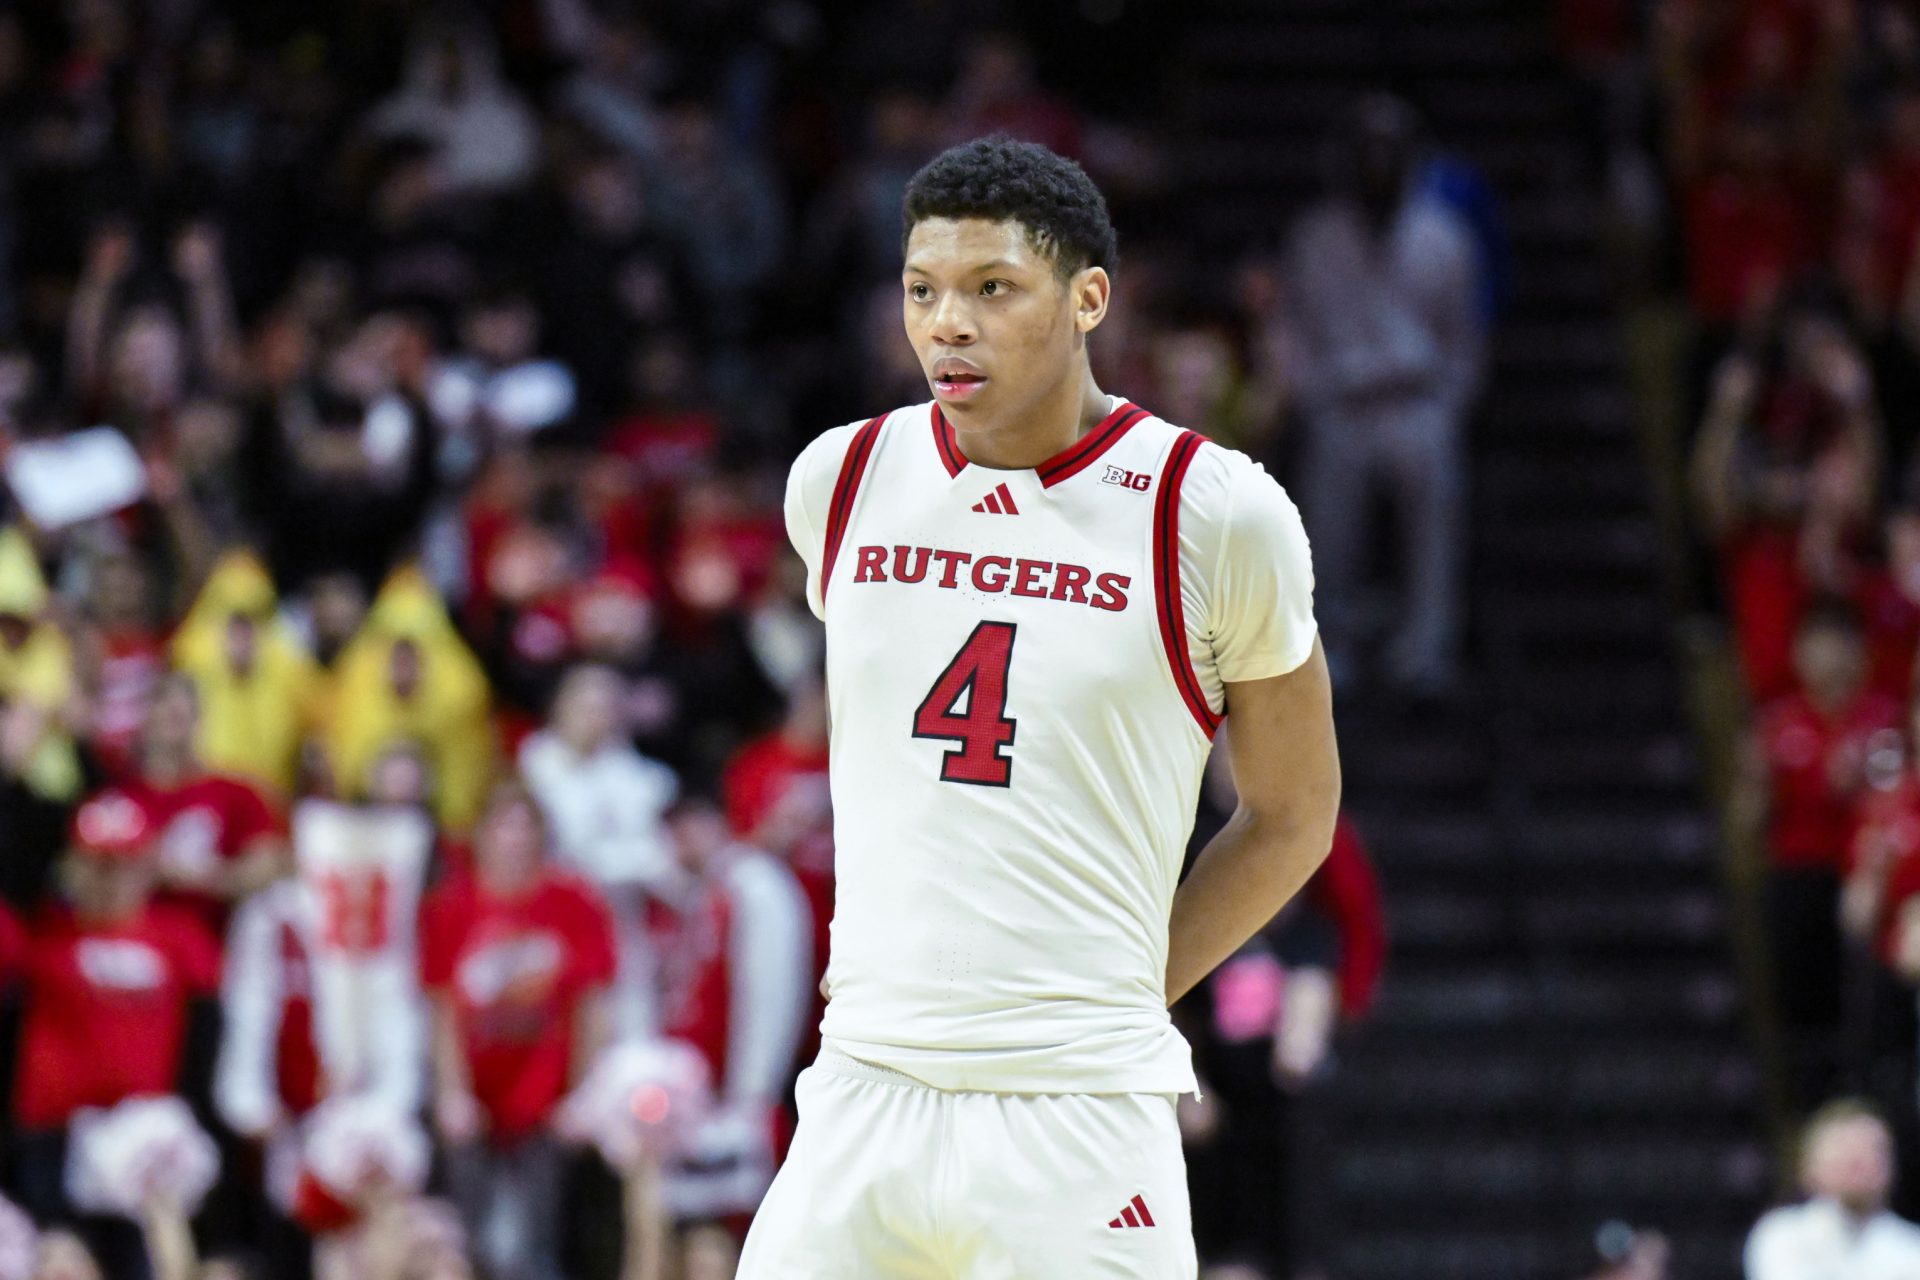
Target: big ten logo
(353,911)
(1134,480)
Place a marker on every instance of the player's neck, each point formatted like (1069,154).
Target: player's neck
(1051,426)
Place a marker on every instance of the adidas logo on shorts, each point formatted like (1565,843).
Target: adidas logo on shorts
(1134,1215)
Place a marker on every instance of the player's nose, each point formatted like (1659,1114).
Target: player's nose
(952,323)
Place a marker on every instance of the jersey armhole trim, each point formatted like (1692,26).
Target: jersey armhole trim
(1166,581)
(852,468)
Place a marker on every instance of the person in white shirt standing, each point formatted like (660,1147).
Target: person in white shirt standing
(606,805)
(1844,1231)
(1382,282)
(1041,601)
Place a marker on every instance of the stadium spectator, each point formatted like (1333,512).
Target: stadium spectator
(258,687)
(1845,1227)
(217,836)
(36,671)
(130,360)
(734,939)
(606,805)
(480,138)
(1883,867)
(775,787)
(338,467)
(516,957)
(498,384)
(1749,227)
(1382,282)
(268,1074)
(119,655)
(1805,769)
(110,978)
(604,800)
(408,676)
(1785,474)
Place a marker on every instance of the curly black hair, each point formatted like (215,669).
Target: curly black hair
(999,178)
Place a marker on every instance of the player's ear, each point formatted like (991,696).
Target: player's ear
(1090,289)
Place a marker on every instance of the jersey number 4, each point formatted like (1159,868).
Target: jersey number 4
(977,674)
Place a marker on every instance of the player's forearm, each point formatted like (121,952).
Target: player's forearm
(1239,883)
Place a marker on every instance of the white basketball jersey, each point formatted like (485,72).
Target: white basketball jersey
(1025,670)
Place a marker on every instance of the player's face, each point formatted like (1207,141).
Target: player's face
(996,328)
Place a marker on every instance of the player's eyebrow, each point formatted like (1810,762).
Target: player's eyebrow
(998,264)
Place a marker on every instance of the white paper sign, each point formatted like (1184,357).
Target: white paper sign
(76,477)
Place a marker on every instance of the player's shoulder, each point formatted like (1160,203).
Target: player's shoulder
(1217,478)
(825,453)
(816,471)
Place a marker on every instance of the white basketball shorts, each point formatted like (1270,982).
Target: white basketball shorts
(891,1179)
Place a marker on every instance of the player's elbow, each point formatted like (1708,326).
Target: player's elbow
(1298,818)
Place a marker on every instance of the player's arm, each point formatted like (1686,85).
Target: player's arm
(1286,769)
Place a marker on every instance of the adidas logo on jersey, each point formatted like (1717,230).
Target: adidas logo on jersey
(1134,1215)
(999,502)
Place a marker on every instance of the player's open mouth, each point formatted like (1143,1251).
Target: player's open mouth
(956,385)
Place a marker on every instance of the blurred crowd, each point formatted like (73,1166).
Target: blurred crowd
(407,697)
(1763,158)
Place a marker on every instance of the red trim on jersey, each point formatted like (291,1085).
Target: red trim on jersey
(1078,456)
(852,468)
(1069,462)
(949,448)
(1166,580)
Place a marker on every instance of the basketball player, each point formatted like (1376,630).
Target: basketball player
(1041,602)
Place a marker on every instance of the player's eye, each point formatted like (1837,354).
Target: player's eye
(994,288)
(919,292)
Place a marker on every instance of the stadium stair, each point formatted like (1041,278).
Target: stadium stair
(1561,1038)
